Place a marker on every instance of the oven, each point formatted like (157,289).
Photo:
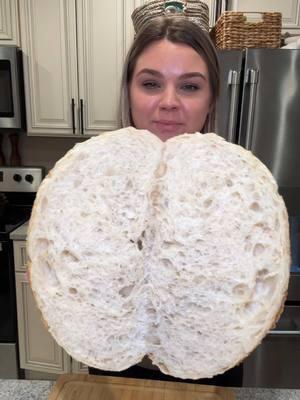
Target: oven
(18,188)
(276,362)
(12,101)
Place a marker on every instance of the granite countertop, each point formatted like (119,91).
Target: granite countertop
(11,389)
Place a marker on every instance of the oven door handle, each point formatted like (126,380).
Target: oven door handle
(286,333)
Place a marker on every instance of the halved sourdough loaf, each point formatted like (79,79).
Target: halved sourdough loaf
(178,250)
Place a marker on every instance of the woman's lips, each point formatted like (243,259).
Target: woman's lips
(168,125)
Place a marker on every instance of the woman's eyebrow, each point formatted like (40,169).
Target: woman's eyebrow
(150,71)
(187,75)
(193,75)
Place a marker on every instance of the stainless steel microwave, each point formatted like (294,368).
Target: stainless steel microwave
(12,102)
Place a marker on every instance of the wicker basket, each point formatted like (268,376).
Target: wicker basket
(232,31)
(194,10)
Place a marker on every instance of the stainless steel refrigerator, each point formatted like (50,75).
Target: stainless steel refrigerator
(259,108)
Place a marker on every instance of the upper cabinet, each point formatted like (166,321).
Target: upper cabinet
(290,10)
(212,4)
(104,34)
(9,23)
(73,56)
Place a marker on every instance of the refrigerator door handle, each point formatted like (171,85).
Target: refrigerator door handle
(285,333)
(234,81)
(251,80)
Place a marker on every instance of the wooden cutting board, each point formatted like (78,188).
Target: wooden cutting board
(89,387)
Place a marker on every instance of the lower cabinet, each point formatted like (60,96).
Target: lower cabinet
(79,367)
(38,350)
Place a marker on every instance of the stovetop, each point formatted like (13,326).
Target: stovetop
(18,187)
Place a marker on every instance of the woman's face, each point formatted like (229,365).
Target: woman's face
(169,92)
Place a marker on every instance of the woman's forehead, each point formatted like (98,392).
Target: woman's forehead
(163,54)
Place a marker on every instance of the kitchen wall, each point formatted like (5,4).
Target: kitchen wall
(39,151)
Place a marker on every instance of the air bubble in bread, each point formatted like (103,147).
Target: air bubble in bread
(176,250)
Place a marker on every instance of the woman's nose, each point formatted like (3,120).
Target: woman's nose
(169,99)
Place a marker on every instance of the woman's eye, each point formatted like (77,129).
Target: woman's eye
(151,85)
(190,87)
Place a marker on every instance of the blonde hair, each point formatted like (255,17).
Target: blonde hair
(176,30)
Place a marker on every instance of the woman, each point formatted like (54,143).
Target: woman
(170,85)
(170,79)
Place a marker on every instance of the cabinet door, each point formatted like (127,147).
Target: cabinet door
(129,7)
(9,27)
(104,33)
(20,255)
(79,368)
(38,350)
(212,4)
(290,10)
(48,31)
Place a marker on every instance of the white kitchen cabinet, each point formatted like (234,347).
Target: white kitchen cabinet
(38,350)
(9,23)
(290,10)
(79,368)
(73,56)
(212,4)
(103,39)
(20,256)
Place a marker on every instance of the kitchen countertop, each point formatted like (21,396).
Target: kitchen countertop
(11,389)
(19,234)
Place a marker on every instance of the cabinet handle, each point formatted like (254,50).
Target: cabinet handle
(285,333)
(73,115)
(81,116)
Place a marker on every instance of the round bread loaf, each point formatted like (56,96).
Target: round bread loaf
(176,250)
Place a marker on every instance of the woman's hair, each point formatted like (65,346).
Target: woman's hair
(176,30)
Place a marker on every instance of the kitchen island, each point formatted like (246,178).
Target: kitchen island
(11,389)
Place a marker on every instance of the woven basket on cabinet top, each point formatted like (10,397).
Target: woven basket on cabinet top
(232,31)
(194,10)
